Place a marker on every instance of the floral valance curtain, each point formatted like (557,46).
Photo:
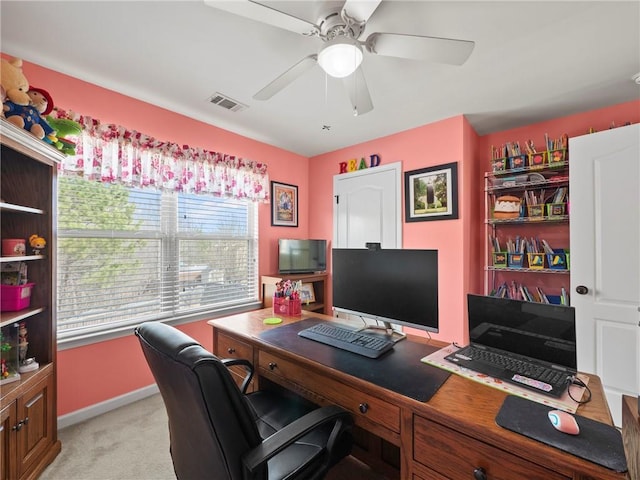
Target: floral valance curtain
(111,153)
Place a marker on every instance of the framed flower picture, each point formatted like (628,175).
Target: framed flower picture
(284,205)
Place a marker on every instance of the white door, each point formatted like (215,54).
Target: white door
(367,207)
(605,260)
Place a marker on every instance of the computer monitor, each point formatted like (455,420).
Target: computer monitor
(394,286)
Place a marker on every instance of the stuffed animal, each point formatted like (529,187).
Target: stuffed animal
(14,82)
(43,103)
(65,128)
(30,116)
(3,98)
(41,100)
(17,107)
(37,243)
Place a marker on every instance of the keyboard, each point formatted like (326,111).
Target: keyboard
(519,371)
(371,346)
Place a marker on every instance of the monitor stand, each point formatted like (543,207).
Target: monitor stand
(392,334)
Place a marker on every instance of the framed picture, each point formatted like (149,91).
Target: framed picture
(431,193)
(284,205)
(307,294)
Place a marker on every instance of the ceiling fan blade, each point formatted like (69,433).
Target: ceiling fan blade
(286,78)
(416,47)
(358,91)
(360,10)
(264,14)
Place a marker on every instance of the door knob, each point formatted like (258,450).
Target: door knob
(582,290)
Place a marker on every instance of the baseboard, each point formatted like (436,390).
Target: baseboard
(106,406)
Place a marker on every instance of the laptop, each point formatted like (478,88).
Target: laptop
(529,344)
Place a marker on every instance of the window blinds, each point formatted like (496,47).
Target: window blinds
(127,255)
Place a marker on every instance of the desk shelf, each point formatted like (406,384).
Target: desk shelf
(318,280)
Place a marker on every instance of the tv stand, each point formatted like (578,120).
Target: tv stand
(393,335)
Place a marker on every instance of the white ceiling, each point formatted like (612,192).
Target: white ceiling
(532,61)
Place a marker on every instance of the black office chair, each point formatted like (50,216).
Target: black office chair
(219,432)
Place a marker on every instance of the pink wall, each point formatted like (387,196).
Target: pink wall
(447,141)
(473,229)
(110,107)
(98,372)
(461,243)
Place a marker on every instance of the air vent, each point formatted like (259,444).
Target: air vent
(226,102)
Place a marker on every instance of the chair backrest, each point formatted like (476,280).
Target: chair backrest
(210,424)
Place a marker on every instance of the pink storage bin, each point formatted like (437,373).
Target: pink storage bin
(15,297)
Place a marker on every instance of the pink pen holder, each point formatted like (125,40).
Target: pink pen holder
(286,306)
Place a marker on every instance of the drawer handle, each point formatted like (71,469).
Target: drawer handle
(479,474)
(273,365)
(17,427)
(231,350)
(363,407)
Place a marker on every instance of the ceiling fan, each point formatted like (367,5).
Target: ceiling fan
(341,53)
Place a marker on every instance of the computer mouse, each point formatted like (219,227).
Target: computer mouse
(564,422)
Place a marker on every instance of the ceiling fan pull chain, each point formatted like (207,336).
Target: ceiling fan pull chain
(355,103)
(326,90)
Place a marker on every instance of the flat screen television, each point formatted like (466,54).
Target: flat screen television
(395,286)
(301,255)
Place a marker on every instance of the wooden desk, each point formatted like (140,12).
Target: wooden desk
(450,436)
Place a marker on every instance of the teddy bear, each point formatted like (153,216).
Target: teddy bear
(31,116)
(19,107)
(13,81)
(41,100)
(43,103)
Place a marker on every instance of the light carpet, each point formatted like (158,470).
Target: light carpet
(132,443)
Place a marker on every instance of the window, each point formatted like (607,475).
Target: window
(127,255)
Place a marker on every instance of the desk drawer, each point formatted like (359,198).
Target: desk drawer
(456,456)
(359,404)
(231,347)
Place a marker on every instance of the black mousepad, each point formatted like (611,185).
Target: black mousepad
(399,370)
(597,442)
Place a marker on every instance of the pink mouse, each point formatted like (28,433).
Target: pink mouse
(564,422)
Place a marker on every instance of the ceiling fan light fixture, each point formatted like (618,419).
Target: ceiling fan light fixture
(340,56)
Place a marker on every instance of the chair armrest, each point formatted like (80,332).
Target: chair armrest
(280,440)
(243,362)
